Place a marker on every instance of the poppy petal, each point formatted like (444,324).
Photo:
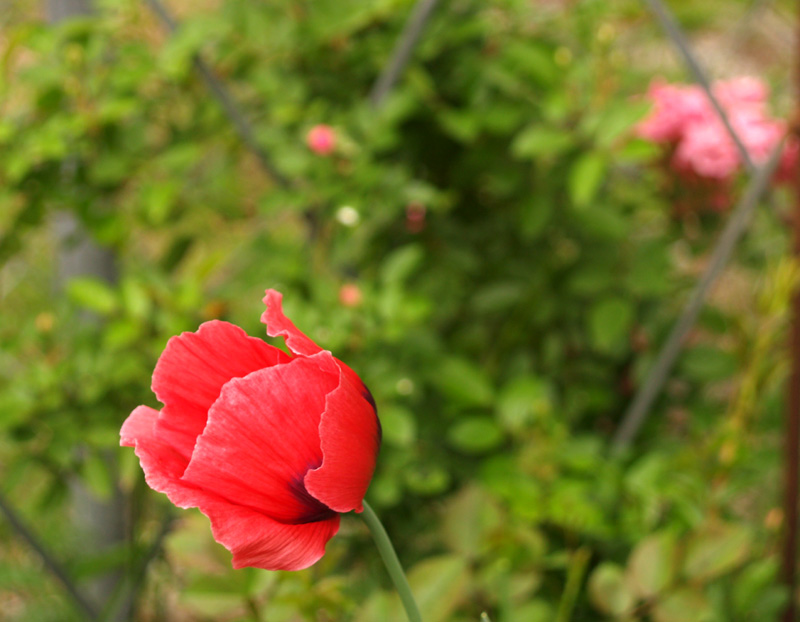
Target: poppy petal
(194,367)
(279,325)
(259,541)
(262,438)
(161,462)
(350,438)
(254,538)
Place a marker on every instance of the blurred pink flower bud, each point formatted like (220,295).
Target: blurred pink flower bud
(415,217)
(350,295)
(321,139)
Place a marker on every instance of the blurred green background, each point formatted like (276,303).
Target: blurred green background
(491,249)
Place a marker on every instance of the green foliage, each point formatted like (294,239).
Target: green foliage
(502,333)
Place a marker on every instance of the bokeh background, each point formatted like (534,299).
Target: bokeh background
(492,246)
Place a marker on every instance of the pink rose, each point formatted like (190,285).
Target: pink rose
(706,150)
(743,92)
(674,108)
(758,133)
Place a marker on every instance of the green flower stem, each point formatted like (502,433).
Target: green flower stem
(393,566)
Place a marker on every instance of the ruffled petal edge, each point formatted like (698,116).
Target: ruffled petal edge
(278,325)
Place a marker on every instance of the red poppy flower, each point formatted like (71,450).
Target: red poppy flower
(270,446)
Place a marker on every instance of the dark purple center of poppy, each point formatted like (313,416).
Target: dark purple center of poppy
(367,395)
(313,509)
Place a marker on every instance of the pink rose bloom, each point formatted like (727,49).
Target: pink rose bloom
(684,117)
(759,134)
(740,93)
(321,139)
(674,108)
(707,150)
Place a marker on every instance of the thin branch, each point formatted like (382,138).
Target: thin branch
(674,32)
(402,51)
(734,228)
(225,100)
(48,560)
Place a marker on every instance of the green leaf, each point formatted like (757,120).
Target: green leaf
(651,565)
(475,434)
(757,589)
(682,605)
(98,477)
(602,221)
(16,403)
(609,591)
(650,270)
(708,364)
(401,263)
(535,214)
(468,517)
(159,199)
(539,140)
(639,151)
(618,119)
(502,118)
(399,426)
(537,610)
(590,279)
(122,333)
(93,294)
(716,550)
(461,125)
(386,490)
(463,382)
(185,42)
(426,479)
(585,178)
(523,400)
(208,604)
(439,585)
(381,606)
(531,59)
(135,299)
(610,323)
(497,297)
